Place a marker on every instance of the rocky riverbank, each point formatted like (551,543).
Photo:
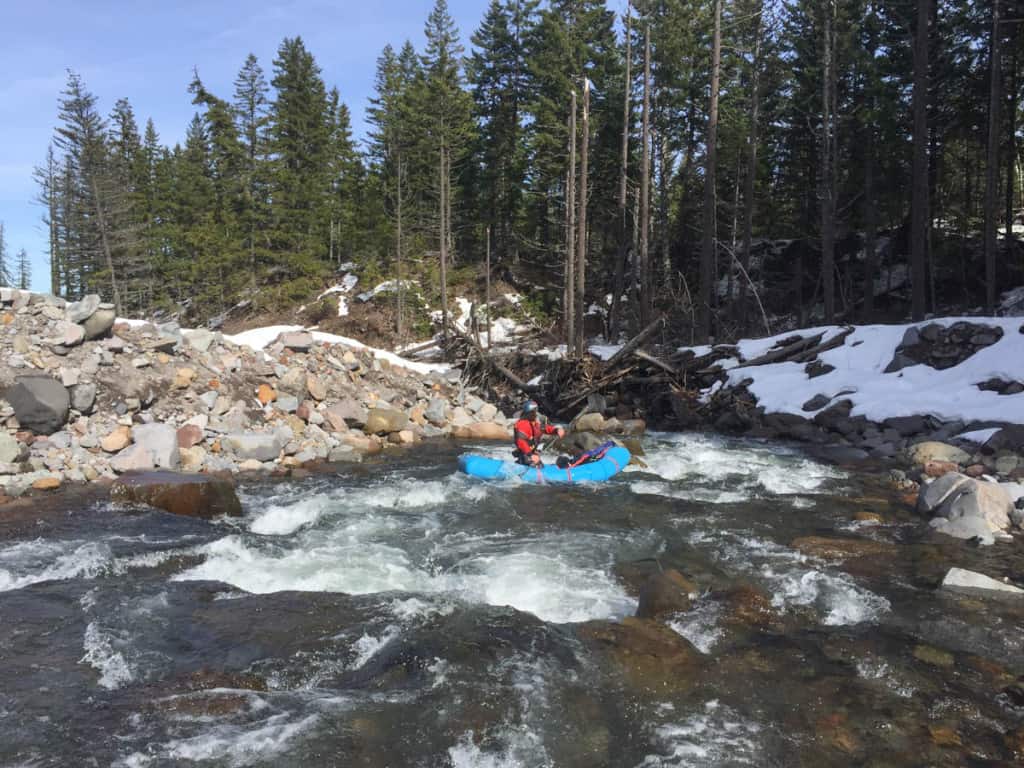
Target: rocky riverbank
(87,397)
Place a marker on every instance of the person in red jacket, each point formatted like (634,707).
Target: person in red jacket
(528,433)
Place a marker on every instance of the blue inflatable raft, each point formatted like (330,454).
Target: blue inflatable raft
(613,462)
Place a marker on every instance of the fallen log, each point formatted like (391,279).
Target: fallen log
(836,341)
(648,358)
(607,381)
(489,360)
(784,353)
(634,343)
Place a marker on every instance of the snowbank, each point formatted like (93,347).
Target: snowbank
(948,395)
(259,338)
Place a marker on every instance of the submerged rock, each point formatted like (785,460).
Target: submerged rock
(651,657)
(665,594)
(180,494)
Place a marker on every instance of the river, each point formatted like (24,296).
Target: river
(396,613)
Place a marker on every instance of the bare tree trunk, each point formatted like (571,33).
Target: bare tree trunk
(398,251)
(707,255)
(827,180)
(618,283)
(581,238)
(992,162)
(919,184)
(1011,143)
(748,189)
(570,234)
(105,240)
(870,226)
(643,262)
(444,247)
(487,288)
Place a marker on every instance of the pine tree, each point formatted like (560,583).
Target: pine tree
(251,111)
(300,136)
(24,273)
(6,272)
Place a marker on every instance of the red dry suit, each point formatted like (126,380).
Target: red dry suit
(527,436)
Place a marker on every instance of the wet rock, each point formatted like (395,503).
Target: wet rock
(483,430)
(99,323)
(934,656)
(921,453)
(652,658)
(41,403)
(634,427)
(384,421)
(202,496)
(868,517)
(747,607)
(259,446)
(589,422)
(161,440)
(665,594)
(958,578)
(828,548)
(50,483)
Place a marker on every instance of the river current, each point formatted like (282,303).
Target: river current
(397,613)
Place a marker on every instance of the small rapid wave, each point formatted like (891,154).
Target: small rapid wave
(32,562)
(715,736)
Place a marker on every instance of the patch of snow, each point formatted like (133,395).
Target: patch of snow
(388,286)
(978,436)
(604,351)
(260,338)
(536,380)
(348,282)
(948,395)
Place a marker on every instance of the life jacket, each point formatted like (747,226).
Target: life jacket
(527,435)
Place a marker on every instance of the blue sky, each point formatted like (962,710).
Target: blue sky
(145,51)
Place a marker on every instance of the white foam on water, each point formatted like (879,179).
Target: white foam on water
(547,586)
(234,745)
(706,469)
(835,595)
(699,625)
(876,669)
(31,562)
(101,655)
(520,748)
(714,736)
(367,646)
(794,578)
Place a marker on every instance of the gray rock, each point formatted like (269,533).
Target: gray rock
(99,323)
(298,341)
(816,403)
(11,450)
(460,418)
(261,446)
(161,440)
(1009,438)
(1006,464)
(907,425)
(40,403)
(294,382)
(132,459)
(80,311)
(974,509)
(921,453)
(344,453)
(83,397)
(200,339)
(287,403)
(69,335)
(899,362)
(474,404)
(933,494)
(488,412)
(351,412)
(958,578)
(436,412)
(6,295)
(911,337)
(209,399)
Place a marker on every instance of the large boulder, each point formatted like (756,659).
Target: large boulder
(134,458)
(80,311)
(652,658)
(921,453)
(589,422)
(353,413)
(41,403)
(161,440)
(99,323)
(180,494)
(966,508)
(261,446)
(385,421)
(665,594)
(483,430)
(437,412)
(1006,439)
(958,578)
